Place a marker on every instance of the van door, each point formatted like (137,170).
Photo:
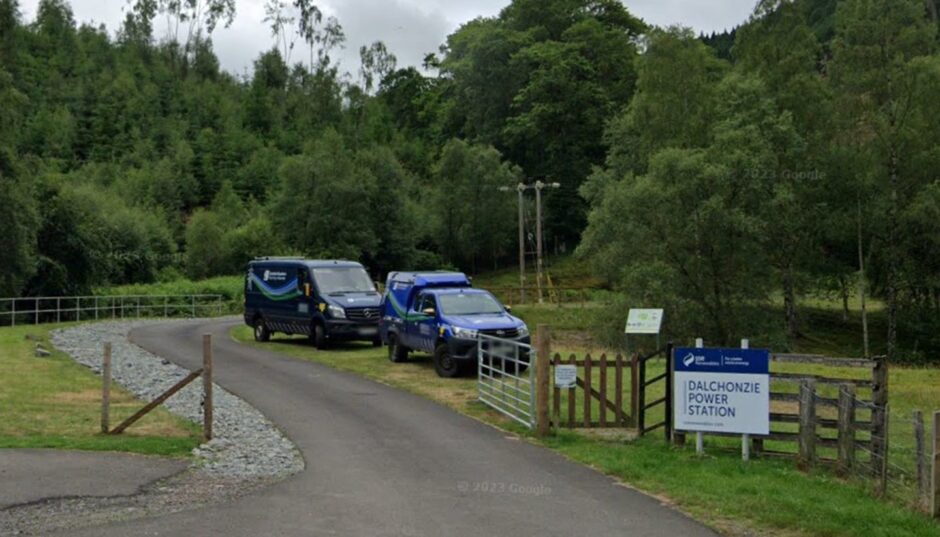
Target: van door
(302,305)
(422,331)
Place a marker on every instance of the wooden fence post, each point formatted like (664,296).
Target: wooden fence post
(670,393)
(807,422)
(879,415)
(106,389)
(588,384)
(207,386)
(920,454)
(542,352)
(635,392)
(846,426)
(935,486)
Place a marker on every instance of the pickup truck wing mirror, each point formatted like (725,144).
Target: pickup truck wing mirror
(429,311)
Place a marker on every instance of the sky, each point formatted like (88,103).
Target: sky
(409,28)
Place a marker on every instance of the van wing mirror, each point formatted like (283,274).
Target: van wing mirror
(508,309)
(429,311)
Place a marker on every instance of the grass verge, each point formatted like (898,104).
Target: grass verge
(53,402)
(765,497)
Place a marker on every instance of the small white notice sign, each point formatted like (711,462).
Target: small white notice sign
(644,321)
(566,376)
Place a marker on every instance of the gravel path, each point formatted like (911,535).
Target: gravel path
(248,451)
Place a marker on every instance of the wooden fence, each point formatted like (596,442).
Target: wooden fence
(207,403)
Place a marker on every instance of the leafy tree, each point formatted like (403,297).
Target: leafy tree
(474,220)
(883,70)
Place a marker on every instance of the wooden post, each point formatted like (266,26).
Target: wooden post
(588,383)
(106,389)
(572,393)
(699,437)
(920,451)
(935,486)
(207,386)
(882,464)
(807,422)
(618,394)
(542,352)
(879,415)
(556,395)
(635,392)
(846,426)
(641,398)
(602,390)
(670,393)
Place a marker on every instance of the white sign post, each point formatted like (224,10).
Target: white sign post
(722,391)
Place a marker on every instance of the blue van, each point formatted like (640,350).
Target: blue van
(325,300)
(442,314)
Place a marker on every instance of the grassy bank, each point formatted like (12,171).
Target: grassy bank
(764,497)
(52,402)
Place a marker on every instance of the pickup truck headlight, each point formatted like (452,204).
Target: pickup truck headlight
(465,332)
(523,330)
(336,312)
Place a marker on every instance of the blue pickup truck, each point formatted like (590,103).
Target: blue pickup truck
(327,300)
(442,314)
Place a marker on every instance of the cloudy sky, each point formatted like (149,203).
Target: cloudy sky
(410,28)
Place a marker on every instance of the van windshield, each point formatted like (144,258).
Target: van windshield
(343,280)
(469,304)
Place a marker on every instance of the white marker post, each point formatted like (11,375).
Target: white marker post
(745,438)
(699,435)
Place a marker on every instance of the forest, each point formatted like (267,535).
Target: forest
(715,175)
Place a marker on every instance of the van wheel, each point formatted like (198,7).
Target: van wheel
(396,352)
(444,363)
(319,336)
(261,331)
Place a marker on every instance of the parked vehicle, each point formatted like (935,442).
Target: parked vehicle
(325,300)
(442,314)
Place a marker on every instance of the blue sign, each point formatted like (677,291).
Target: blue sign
(722,390)
(754,361)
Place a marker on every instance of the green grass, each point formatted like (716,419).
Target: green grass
(230,287)
(763,497)
(53,402)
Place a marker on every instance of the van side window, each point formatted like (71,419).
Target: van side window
(301,278)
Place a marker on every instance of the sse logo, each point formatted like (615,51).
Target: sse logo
(689,359)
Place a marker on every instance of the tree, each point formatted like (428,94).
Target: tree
(882,70)
(473,219)
(377,63)
(320,207)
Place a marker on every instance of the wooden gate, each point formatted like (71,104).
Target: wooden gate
(598,398)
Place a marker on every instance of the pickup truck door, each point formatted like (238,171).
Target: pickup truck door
(421,330)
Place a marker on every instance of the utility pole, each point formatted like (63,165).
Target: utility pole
(520,189)
(539,185)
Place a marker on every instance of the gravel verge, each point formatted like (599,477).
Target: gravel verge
(247,452)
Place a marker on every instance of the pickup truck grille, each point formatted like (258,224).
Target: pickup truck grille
(501,332)
(363,314)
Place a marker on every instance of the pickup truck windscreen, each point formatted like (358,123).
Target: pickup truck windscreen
(342,280)
(469,304)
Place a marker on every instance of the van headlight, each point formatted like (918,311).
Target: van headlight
(336,312)
(467,333)
(523,330)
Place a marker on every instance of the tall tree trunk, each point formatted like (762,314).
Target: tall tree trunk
(789,304)
(861,280)
(893,271)
(844,292)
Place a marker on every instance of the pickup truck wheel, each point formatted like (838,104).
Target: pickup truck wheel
(444,363)
(261,331)
(396,352)
(318,335)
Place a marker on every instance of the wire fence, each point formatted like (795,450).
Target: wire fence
(57,309)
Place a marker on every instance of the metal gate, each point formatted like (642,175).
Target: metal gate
(505,382)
